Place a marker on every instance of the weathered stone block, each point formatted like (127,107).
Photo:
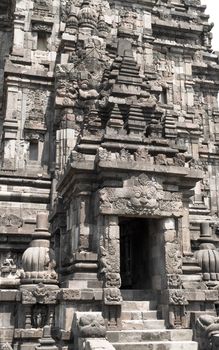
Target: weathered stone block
(68,294)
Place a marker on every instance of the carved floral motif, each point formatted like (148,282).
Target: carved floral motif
(124,155)
(41,27)
(173,259)
(103,154)
(11,220)
(8,268)
(142,154)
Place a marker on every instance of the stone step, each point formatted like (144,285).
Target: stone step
(138,294)
(143,324)
(139,315)
(139,305)
(157,345)
(150,335)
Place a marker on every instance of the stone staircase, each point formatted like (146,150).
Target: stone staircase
(143,330)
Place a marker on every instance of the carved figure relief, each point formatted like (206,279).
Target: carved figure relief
(142,154)
(177,297)
(39,315)
(174,281)
(9,268)
(104,264)
(41,294)
(177,309)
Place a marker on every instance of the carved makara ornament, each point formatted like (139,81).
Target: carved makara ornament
(206,327)
(91,325)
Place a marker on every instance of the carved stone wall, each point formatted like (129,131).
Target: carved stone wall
(108,112)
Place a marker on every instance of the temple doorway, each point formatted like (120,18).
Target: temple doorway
(141,253)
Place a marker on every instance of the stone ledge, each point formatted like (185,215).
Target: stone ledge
(33,333)
(67,294)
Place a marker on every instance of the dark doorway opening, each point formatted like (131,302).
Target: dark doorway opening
(140,253)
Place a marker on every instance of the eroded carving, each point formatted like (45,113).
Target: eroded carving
(174,281)
(91,325)
(206,327)
(112,296)
(11,221)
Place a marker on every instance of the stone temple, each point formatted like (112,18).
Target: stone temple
(109,178)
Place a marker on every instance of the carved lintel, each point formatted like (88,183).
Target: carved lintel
(40,294)
(145,197)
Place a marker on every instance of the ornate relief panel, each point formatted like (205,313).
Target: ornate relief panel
(142,195)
